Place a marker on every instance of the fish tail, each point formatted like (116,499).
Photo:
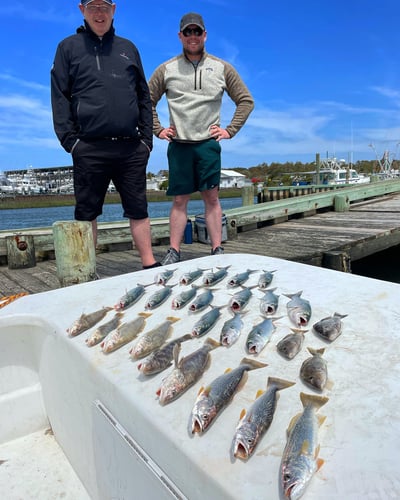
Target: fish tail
(291,295)
(145,314)
(279,383)
(173,319)
(212,343)
(185,337)
(314,400)
(254,364)
(314,352)
(299,330)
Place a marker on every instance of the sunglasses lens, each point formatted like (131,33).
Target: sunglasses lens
(192,31)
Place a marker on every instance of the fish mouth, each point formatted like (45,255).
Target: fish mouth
(196,426)
(241,451)
(252,349)
(235,306)
(225,341)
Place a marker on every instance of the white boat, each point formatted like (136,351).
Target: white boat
(335,171)
(6,186)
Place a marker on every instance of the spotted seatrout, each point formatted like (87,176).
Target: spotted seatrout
(314,370)
(256,421)
(269,302)
(153,339)
(124,333)
(131,297)
(215,397)
(187,371)
(86,321)
(103,330)
(300,457)
(161,358)
(299,309)
(291,344)
(330,328)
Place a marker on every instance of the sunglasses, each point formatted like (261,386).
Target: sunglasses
(192,31)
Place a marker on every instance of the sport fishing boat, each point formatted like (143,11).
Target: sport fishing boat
(335,171)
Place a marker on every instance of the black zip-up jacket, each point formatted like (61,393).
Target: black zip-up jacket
(98,89)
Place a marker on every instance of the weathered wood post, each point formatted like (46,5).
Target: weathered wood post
(247,195)
(20,251)
(341,203)
(75,252)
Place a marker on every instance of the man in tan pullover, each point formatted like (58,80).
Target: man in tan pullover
(194,83)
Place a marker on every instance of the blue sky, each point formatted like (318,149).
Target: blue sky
(324,75)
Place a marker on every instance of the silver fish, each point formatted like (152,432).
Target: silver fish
(330,328)
(189,277)
(164,276)
(291,344)
(260,335)
(161,358)
(158,297)
(124,333)
(314,370)
(299,310)
(184,297)
(201,301)
(152,339)
(206,322)
(256,421)
(240,299)
(214,398)
(300,457)
(187,371)
(103,330)
(240,278)
(269,302)
(131,297)
(86,321)
(231,329)
(212,278)
(265,279)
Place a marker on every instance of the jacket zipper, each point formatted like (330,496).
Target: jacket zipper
(97,58)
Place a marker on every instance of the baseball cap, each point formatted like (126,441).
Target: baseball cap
(191,18)
(86,2)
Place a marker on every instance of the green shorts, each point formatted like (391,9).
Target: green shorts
(193,166)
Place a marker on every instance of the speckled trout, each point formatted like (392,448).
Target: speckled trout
(256,421)
(124,333)
(152,339)
(300,457)
(216,396)
(86,321)
(103,330)
(161,358)
(187,371)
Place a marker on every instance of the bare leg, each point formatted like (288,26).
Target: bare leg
(213,216)
(141,234)
(178,219)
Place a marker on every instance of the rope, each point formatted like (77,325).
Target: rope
(4,301)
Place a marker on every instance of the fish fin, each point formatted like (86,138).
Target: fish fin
(187,336)
(175,352)
(341,316)
(228,370)
(243,381)
(320,462)
(299,330)
(321,419)
(291,295)
(145,314)
(242,414)
(292,423)
(259,393)
(254,364)
(200,390)
(280,383)
(212,343)
(173,319)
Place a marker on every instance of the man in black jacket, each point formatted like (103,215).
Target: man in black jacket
(102,115)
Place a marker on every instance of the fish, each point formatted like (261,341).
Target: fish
(260,335)
(152,339)
(265,279)
(201,301)
(163,277)
(189,277)
(239,278)
(103,330)
(86,321)
(184,297)
(269,302)
(314,370)
(131,297)
(211,278)
(158,297)
(300,458)
(161,358)
(206,322)
(186,372)
(254,423)
(212,399)
(231,329)
(291,344)
(299,310)
(330,328)
(240,299)
(124,333)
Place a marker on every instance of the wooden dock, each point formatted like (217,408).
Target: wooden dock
(329,239)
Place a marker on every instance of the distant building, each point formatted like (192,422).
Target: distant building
(230,179)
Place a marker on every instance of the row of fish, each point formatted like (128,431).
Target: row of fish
(156,353)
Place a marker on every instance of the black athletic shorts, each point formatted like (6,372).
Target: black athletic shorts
(97,163)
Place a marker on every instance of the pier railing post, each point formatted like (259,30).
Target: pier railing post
(247,195)
(74,251)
